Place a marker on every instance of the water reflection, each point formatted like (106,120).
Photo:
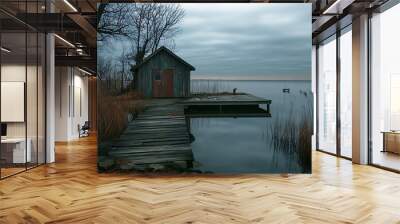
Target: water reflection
(237,145)
(277,144)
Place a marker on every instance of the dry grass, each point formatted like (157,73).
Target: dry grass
(305,131)
(115,112)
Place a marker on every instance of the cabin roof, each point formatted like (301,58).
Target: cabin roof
(168,51)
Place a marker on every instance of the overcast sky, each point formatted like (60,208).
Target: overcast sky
(246,41)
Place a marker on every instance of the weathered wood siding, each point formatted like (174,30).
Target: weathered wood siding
(163,61)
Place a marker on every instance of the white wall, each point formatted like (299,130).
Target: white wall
(62,82)
(80,111)
(71,102)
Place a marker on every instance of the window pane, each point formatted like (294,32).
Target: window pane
(14,153)
(23,88)
(327,96)
(41,98)
(386,89)
(31,97)
(346,94)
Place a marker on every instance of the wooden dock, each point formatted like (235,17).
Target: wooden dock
(229,105)
(158,137)
(228,99)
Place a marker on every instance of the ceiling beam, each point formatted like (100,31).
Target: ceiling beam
(48,22)
(321,22)
(338,6)
(79,61)
(89,30)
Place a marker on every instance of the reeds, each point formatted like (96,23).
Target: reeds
(114,112)
(215,87)
(291,135)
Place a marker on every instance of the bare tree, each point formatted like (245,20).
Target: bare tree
(151,24)
(112,20)
(124,60)
(103,68)
(145,26)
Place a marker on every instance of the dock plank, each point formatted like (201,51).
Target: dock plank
(128,150)
(137,161)
(159,135)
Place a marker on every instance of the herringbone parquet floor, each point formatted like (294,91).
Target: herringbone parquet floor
(71,191)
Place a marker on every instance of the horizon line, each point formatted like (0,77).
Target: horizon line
(222,79)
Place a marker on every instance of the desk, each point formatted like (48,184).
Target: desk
(391,141)
(15,148)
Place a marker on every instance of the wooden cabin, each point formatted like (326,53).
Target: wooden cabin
(163,74)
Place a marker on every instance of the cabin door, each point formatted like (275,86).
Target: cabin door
(167,78)
(157,88)
(156,83)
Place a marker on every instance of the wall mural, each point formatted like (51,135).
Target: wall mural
(204,88)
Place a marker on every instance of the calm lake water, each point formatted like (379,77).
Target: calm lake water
(243,145)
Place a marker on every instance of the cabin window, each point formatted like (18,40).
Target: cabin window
(156,74)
